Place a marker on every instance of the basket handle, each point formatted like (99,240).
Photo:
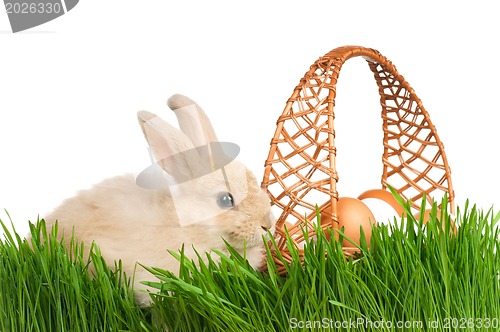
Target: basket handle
(410,139)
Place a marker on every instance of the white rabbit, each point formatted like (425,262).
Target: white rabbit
(200,202)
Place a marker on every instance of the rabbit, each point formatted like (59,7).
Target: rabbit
(180,203)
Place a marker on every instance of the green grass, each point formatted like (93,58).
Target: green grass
(426,277)
(45,287)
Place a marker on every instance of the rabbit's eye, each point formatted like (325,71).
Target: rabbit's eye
(225,200)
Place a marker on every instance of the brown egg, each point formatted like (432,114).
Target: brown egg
(352,214)
(384,196)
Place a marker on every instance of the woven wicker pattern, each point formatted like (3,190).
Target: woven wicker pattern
(300,170)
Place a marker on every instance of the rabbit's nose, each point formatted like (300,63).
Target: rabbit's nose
(268,223)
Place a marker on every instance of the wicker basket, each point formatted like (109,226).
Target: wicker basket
(300,171)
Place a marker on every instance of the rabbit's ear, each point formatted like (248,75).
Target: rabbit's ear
(171,148)
(192,120)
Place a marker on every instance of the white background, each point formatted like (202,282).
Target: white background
(70,89)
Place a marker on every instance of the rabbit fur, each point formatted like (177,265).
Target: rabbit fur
(137,224)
